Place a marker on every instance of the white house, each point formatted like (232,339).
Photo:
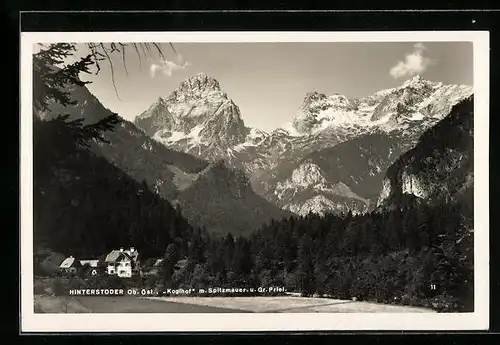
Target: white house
(91,262)
(123,263)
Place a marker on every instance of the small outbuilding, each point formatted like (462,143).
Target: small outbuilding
(70,265)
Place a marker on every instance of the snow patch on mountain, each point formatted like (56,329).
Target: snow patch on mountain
(415,100)
(318,205)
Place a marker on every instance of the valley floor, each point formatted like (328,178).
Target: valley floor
(282,304)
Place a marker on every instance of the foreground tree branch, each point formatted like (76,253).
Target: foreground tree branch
(53,80)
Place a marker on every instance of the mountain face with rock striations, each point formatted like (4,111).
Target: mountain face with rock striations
(307,190)
(351,141)
(198,118)
(440,166)
(173,175)
(353,170)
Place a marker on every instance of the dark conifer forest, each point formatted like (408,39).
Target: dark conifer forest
(412,253)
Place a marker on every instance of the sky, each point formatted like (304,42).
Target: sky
(268,81)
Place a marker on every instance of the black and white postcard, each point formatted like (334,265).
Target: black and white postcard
(244,181)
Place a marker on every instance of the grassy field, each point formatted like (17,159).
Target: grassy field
(292,304)
(282,304)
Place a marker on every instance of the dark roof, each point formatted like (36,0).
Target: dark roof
(132,254)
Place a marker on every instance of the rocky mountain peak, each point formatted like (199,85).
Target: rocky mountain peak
(313,97)
(198,118)
(160,101)
(202,80)
(198,86)
(414,80)
(419,83)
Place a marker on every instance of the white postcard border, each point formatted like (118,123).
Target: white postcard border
(477,320)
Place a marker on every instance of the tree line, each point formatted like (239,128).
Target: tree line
(420,256)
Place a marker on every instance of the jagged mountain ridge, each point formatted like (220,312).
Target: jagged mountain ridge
(169,173)
(322,122)
(416,102)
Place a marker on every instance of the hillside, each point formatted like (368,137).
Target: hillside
(85,206)
(129,148)
(222,200)
(169,173)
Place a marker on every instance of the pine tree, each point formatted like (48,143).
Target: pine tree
(306,266)
(170,259)
(196,250)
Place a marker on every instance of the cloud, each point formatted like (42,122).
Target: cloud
(414,63)
(168,67)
